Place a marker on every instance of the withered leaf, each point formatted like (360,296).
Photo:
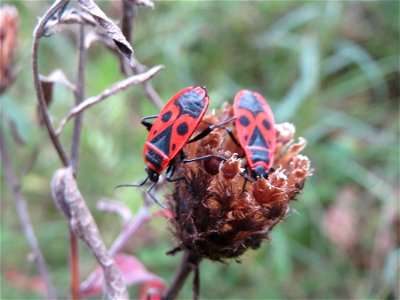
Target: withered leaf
(109,26)
(47,82)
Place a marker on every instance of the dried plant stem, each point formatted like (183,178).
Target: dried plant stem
(115,88)
(37,34)
(20,204)
(189,262)
(74,265)
(79,97)
(128,21)
(76,141)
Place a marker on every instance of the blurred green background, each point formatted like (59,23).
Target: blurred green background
(329,67)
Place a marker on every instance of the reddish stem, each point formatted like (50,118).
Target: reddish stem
(74,265)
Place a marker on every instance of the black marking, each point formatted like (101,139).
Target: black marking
(246,137)
(257,139)
(191,104)
(259,171)
(244,121)
(249,102)
(166,116)
(163,140)
(266,125)
(155,160)
(259,155)
(182,129)
(173,147)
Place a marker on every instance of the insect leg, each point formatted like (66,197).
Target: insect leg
(210,128)
(146,123)
(170,172)
(154,197)
(204,157)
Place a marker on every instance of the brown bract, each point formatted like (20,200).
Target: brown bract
(216,214)
(9,24)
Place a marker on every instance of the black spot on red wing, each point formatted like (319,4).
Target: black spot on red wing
(244,121)
(166,116)
(190,103)
(257,139)
(163,140)
(249,102)
(266,125)
(173,147)
(182,129)
(246,137)
(154,159)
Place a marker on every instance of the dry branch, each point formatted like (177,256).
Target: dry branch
(115,88)
(72,204)
(22,210)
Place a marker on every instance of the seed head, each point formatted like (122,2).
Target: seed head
(217,213)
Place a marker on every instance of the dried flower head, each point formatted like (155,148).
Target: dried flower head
(9,23)
(216,214)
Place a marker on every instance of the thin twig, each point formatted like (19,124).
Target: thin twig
(128,16)
(128,26)
(115,88)
(79,96)
(189,262)
(196,282)
(75,146)
(37,34)
(126,234)
(141,217)
(20,204)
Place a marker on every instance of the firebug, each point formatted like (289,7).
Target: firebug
(255,131)
(170,132)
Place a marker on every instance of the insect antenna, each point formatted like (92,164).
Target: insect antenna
(133,184)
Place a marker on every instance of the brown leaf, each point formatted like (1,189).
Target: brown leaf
(109,26)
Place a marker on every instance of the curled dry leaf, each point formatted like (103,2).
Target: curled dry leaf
(109,26)
(133,272)
(69,200)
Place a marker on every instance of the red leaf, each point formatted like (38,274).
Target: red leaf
(133,272)
(25,282)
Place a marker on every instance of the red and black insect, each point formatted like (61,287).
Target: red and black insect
(171,131)
(173,128)
(255,131)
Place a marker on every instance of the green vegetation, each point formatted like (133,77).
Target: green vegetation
(330,68)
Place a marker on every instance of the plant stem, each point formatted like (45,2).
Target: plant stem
(189,262)
(37,34)
(74,265)
(79,96)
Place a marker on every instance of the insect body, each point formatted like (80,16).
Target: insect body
(255,131)
(173,128)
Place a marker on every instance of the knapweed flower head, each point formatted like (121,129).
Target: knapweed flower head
(217,213)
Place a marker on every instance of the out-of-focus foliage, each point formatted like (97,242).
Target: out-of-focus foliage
(331,68)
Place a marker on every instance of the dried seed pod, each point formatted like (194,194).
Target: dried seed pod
(216,214)
(9,25)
